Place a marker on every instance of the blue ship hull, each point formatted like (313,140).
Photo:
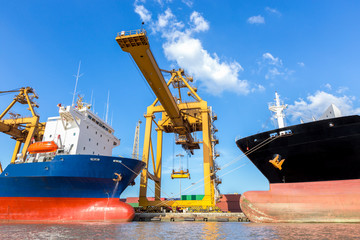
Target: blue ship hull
(86,176)
(84,181)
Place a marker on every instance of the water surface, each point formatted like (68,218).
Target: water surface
(179,230)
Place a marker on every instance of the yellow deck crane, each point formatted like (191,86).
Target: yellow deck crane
(23,130)
(177,116)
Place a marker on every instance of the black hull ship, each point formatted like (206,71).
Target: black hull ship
(313,170)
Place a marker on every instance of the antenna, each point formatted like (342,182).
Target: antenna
(78,75)
(142,26)
(107,107)
(93,106)
(92,93)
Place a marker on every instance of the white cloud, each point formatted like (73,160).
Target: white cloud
(258,88)
(342,90)
(180,46)
(301,64)
(256,20)
(315,105)
(328,86)
(163,19)
(189,3)
(273,67)
(271,59)
(273,73)
(200,24)
(144,14)
(272,11)
(215,76)
(161,2)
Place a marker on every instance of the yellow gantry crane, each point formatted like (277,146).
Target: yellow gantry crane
(23,130)
(184,118)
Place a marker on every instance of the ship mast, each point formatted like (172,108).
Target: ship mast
(278,109)
(136,146)
(78,75)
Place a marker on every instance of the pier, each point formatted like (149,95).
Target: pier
(191,217)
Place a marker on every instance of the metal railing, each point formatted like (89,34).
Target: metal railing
(131,32)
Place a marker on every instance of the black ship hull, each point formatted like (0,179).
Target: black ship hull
(317,151)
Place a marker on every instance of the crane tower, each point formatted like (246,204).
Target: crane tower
(22,129)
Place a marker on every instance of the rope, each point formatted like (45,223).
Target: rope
(260,145)
(148,186)
(265,126)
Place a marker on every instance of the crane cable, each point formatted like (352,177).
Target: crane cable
(260,145)
(141,75)
(2,93)
(232,170)
(148,176)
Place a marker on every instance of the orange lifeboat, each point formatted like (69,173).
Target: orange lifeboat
(42,147)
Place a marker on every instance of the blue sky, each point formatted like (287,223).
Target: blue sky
(239,52)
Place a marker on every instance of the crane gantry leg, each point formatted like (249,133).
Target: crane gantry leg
(157,167)
(207,155)
(145,158)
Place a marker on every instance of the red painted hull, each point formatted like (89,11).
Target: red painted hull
(328,201)
(64,209)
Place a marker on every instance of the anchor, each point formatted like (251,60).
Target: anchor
(117,178)
(276,162)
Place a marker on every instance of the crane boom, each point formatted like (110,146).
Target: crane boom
(136,43)
(12,131)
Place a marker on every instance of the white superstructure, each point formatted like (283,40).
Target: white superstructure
(331,112)
(278,108)
(79,131)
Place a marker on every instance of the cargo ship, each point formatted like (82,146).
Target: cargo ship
(70,175)
(313,169)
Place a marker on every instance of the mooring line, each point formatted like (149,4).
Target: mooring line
(260,145)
